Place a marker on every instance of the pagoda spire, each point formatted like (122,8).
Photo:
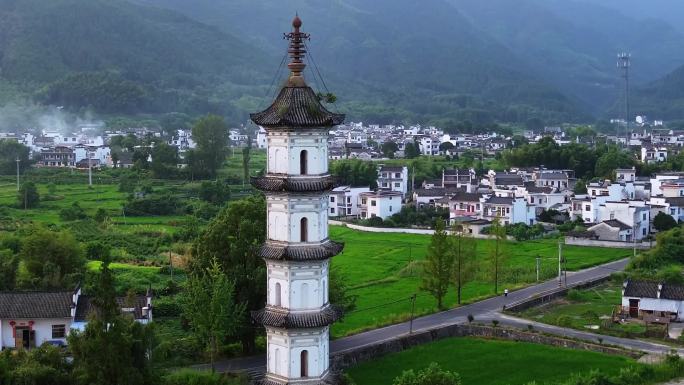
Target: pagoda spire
(297,51)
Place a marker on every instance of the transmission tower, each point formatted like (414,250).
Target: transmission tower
(623,64)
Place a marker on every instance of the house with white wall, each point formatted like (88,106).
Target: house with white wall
(648,299)
(509,210)
(344,201)
(30,319)
(393,178)
(381,204)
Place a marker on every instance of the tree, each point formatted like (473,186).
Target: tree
(664,222)
(432,375)
(113,349)
(339,290)
(446,146)
(411,150)
(580,187)
(355,172)
(28,196)
(164,160)
(50,260)
(211,136)
(72,213)
(10,151)
(217,192)
(465,252)
(100,215)
(611,160)
(497,255)
(233,239)
(8,269)
(438,265)
(245,164)
(389,148)
(209,304)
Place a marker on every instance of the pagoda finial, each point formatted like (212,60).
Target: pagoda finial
(297,52)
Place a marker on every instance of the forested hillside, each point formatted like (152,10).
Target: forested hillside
(116,57)
(433,61)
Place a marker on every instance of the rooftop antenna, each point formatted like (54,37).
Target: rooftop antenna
(623,64)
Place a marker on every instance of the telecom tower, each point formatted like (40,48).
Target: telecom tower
(623,64)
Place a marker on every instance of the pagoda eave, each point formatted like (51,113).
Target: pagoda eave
(293,184)
(288,320)
(303,253)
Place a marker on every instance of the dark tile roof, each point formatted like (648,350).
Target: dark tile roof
(675,201)
(643,289)
(674,292)
(268,381)
(466,197)
(508,180)
(457,172)
(296,107)
(391,168)
(293,184)
(301,253)
(617,224)
(22,305)
(85,307)
(436,192)
(539,190)
(500,200)
(285,319)
(553,175)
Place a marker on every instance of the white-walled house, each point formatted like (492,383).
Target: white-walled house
(344,201)
(381,204)
(393,178)
(509,210)
(30,319)
(653,299)
(635,214)
(612,230)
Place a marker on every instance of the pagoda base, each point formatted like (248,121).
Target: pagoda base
(328,379)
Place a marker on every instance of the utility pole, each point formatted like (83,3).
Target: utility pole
(538,260)
(413,309)
(18,160)
(90,169)
(560,258)
(623,64)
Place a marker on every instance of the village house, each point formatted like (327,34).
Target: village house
(645,299)
(58,156)
(30,319)
(509,210)
(381,204)
(459,178)
(344,201)
(393,178)
(611,230)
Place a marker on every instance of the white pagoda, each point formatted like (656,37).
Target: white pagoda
(297,251)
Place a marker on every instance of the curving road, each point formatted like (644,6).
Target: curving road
(483,310)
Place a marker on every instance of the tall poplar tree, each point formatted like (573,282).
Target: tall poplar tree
(438,265)
(498,253)
(464,248)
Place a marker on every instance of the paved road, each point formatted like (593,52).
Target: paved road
(483,310)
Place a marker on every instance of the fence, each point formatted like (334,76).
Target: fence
(645,245)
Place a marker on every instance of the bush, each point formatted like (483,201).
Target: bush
(564,320)
(167,307)
(162,204)
(194,377)
(72,213)
(432,375)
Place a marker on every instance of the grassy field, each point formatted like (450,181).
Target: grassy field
(490,362)
(591,309)
(383,271)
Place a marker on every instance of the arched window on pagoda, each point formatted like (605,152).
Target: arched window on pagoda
(278,297)
(304,360)
(303,162)
(304,230)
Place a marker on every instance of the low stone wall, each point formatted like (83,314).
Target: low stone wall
(351,357)
(611,244)
(398,230)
